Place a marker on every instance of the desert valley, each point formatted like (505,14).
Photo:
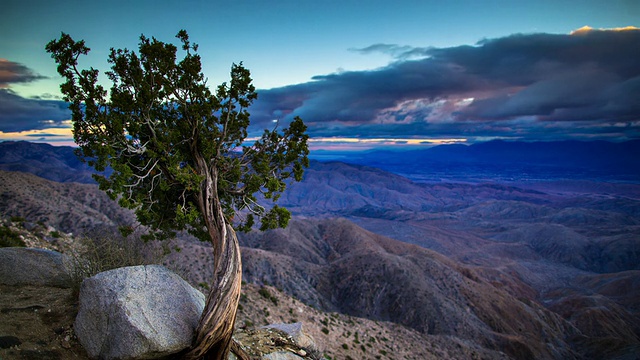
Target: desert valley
(482,263)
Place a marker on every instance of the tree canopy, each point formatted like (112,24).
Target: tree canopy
(165,136)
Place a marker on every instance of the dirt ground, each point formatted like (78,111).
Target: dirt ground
(36,323)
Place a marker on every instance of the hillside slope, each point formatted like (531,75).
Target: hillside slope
(506,254)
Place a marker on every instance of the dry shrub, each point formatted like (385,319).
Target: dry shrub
(106,250)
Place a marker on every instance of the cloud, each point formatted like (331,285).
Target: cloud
(520,86)
(582,85)
(18,114)
(12,72)
(400,52)
(22,114)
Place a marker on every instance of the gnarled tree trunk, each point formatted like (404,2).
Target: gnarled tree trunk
(214,331)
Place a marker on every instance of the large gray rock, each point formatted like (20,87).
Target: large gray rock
(26,266)
(138,312)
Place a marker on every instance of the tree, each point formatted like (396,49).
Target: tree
(178,157)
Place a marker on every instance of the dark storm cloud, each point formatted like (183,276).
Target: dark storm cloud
(519,82)
(556,77)
(358,96)
(21,114)
(12,72)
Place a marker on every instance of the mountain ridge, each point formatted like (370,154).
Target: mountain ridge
(512,161)
(498,159)
(562,259)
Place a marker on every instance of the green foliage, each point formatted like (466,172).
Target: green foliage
(9,238)
(264,292)
(176,148)
(325,330)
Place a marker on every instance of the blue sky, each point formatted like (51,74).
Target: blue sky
(362,74)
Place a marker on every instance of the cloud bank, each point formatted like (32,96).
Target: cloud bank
(18,114)
(582,85)
(12,72)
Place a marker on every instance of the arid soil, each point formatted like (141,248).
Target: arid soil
(38,321)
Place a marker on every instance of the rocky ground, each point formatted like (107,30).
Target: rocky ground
(36,322)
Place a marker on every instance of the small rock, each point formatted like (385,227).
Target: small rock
(281,355)
(9,341)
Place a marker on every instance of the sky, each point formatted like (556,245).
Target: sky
(362,74)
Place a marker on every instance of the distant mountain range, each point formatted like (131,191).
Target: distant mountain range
(510,161)
(493,161)
(550,270)
(57,163)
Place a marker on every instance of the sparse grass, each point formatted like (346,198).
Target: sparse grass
(103,252)
(9,238)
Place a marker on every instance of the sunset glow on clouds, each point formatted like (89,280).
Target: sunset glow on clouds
(55,136)
(355,144)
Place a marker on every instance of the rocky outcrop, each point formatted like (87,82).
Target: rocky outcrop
(26,266)
(296,332)
(138,312)
(276,342)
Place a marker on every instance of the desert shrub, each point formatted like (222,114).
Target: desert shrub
(9,238)
(95,253)
(264,292)
(325,330)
